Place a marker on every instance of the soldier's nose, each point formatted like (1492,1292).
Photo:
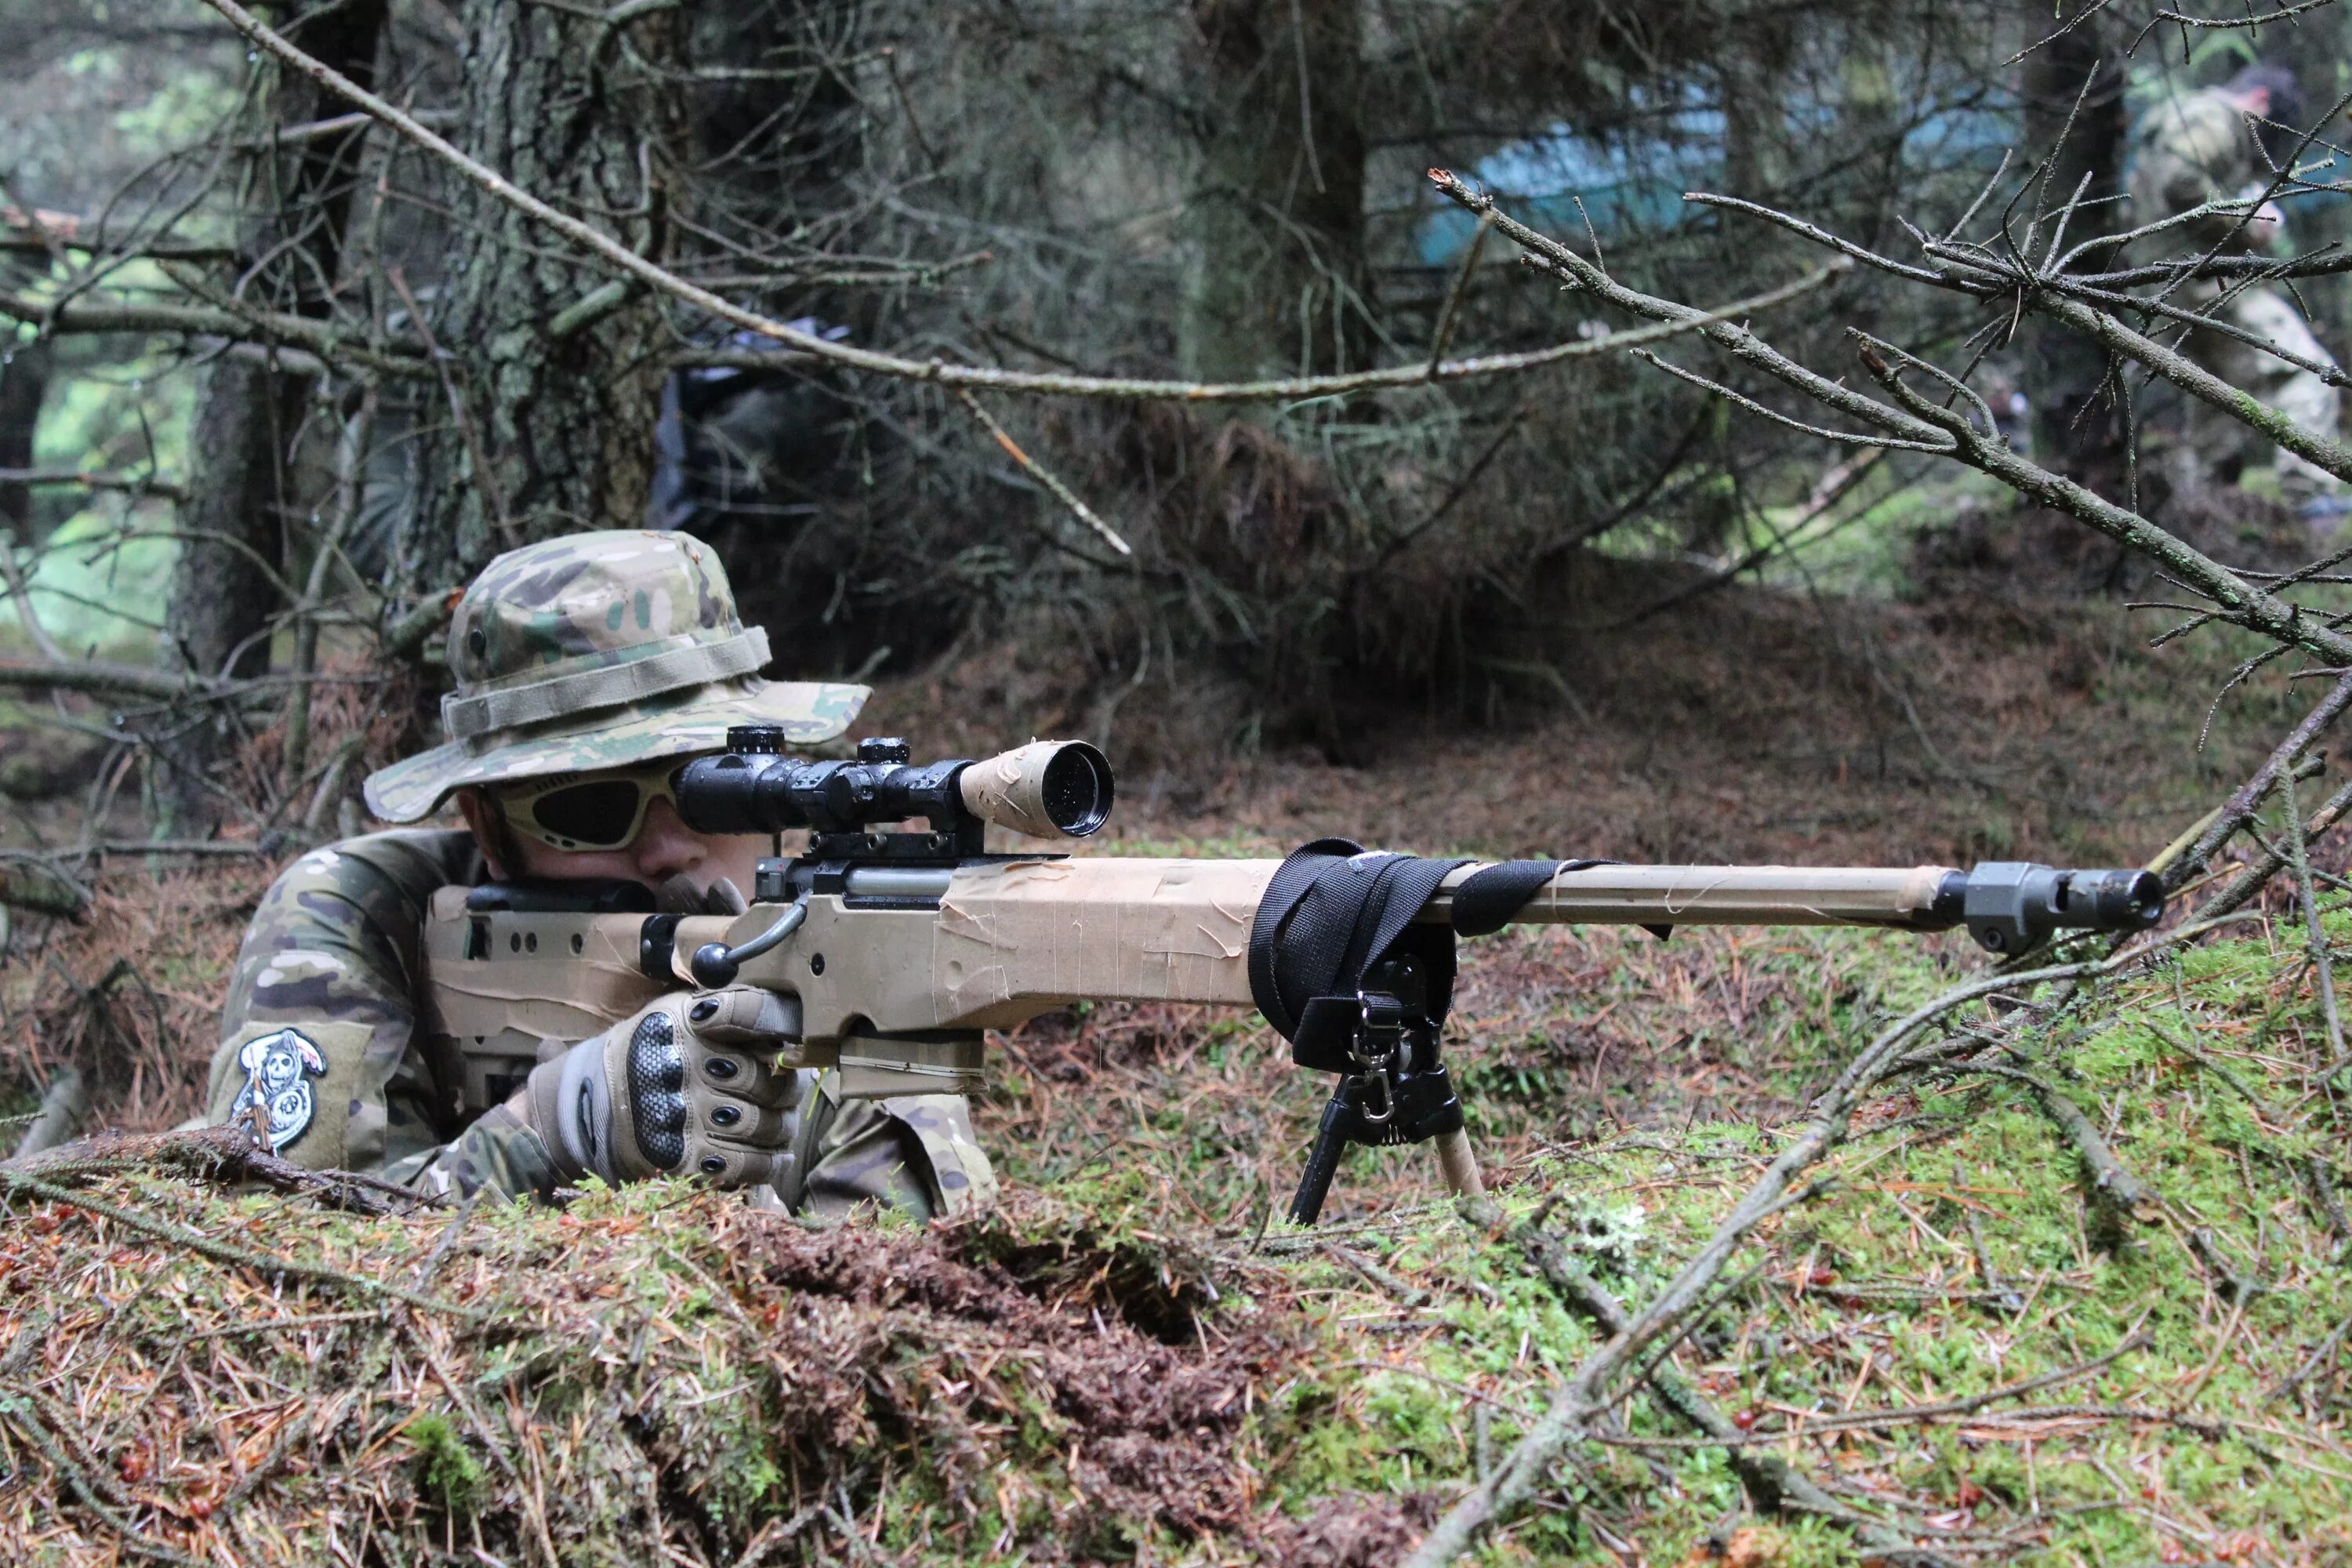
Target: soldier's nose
(665,846)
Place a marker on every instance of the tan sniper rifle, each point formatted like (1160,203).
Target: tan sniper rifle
(895,950)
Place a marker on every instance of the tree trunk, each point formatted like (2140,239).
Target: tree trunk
(23,380)
(555,373)
(239,495)
(2320,41)
(2077,429)
(1755,133)
(1273,280)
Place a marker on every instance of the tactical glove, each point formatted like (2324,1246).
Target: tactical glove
(687,1086)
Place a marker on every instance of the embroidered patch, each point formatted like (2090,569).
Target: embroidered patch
(278,1072)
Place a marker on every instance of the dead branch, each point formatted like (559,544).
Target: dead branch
(268,1265)
(409,631)
(2110,334)
(1919,419)
(25,888)
(320,338)
(1904,1416)
(78,1479)
(496,186)
(2250,19)
(100,679)
(2241,807)
(2240,602)
(2314,1362)
(217,1154)
(1583,1395)
(2116,1188)
(2324,263)
(1773,1484)
(1819,432)
(2268,863)
(2234,1286)
(2315,935)
(134,484)
(2317,1175)
(1062,492)
(1386,1280)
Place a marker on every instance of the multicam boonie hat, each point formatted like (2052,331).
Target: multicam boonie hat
(596,651)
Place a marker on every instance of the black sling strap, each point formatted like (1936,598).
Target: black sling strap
(1332,912)
(1334,909)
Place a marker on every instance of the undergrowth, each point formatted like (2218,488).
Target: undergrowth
(1134,1360)
(1137,1360)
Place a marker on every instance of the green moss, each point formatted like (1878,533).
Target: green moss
(447,1473)
(1893,1310)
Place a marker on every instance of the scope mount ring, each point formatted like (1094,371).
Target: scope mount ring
(714,965)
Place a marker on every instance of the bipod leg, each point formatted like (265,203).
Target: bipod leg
(1323,1160)
(1441,1124)
(1458,1163)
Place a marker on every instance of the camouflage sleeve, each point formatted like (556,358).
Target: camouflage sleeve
(317,1037)
(499,1152)
(915,1153)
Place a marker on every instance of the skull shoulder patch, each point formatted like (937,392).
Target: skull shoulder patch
(278,1072)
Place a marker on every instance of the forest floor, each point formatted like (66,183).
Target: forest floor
(1958,1336)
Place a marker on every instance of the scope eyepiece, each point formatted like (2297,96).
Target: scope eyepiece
(2013,906)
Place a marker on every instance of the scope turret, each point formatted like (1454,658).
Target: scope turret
(1047,789)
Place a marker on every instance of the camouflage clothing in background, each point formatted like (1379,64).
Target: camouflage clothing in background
(330,962)
(2188,151)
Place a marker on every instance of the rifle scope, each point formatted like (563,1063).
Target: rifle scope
(1047,789)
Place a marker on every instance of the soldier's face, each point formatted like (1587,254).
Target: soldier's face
(664,847)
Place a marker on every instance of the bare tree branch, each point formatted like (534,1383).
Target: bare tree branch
(323,338)
(97,678)
(1919,419)
(978,377)
(1043,475)
(1584,1394)
(133,484)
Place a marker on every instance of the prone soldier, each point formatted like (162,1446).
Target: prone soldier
(502,1007)
(587,669)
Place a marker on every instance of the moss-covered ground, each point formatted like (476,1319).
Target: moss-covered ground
(2175,1372)
(1956,1336)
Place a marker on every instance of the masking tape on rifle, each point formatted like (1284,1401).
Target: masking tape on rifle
(878,1068)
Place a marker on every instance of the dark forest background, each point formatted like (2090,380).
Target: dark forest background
(281,381)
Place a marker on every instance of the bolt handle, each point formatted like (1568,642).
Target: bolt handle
(714,965)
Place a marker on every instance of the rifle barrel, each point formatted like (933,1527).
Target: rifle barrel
(1726,894)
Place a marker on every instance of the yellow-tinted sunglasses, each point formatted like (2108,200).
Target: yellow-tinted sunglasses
(601,810)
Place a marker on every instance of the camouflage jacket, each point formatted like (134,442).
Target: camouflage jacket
(321,1048)
(2190,151)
